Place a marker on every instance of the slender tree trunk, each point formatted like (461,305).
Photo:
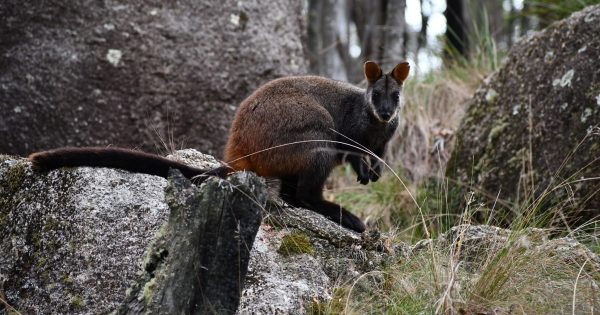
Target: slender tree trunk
(422,37)
(380,27)
(323,37)
(393,34)
(457,43)
(512,31)
(525,20)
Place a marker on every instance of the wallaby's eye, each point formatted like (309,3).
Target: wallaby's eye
(396,96)
(375,94)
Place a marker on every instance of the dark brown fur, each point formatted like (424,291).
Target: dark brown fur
(131,160)
(296,129)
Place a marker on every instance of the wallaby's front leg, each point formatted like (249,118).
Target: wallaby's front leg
(361,166)
(376,165)
(375,169)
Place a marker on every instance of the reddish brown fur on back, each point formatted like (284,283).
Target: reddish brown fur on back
(268,123)
(290,129)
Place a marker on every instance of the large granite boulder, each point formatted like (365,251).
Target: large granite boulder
(532,129)
(149,74)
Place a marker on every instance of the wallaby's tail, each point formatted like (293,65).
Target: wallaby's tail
(126,159)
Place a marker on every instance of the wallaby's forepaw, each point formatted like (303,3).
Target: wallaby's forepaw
(363,178)
(374,176)
(375,170)
(363,173)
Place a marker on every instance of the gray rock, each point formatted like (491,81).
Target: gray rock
(72,239)
(480,242)
(195,158)
(277,284)
(75,238)
(323,255)
(532,128)
(112,73)
(197,264)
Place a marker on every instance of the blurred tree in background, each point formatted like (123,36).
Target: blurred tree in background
(342,34)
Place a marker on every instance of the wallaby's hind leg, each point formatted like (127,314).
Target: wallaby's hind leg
(289,187)
(338,214)
(309,194)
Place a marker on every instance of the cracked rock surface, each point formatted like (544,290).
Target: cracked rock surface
(76,239)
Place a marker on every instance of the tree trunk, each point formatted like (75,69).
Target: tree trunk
(380,30)
(457,42)
(198,262)
(324,33)
(393,34)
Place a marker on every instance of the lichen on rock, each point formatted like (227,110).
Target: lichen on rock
(70,232)
(77,238)
(298,264)
(122,74)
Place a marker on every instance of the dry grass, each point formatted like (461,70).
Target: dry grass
(434,108)
(515,275)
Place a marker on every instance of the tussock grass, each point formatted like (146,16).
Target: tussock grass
(548,11)
(516,275)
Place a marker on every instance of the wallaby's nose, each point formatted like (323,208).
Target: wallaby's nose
(386,115)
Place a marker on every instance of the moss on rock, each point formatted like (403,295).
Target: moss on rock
(77,302)
(14,176)
(148,291)
(295,243)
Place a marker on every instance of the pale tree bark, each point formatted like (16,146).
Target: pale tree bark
(393,30)
(380,30)
(323,38)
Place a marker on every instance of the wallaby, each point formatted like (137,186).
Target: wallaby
(296,129)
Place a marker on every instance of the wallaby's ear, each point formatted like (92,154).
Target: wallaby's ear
(400,72)
(372,71)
